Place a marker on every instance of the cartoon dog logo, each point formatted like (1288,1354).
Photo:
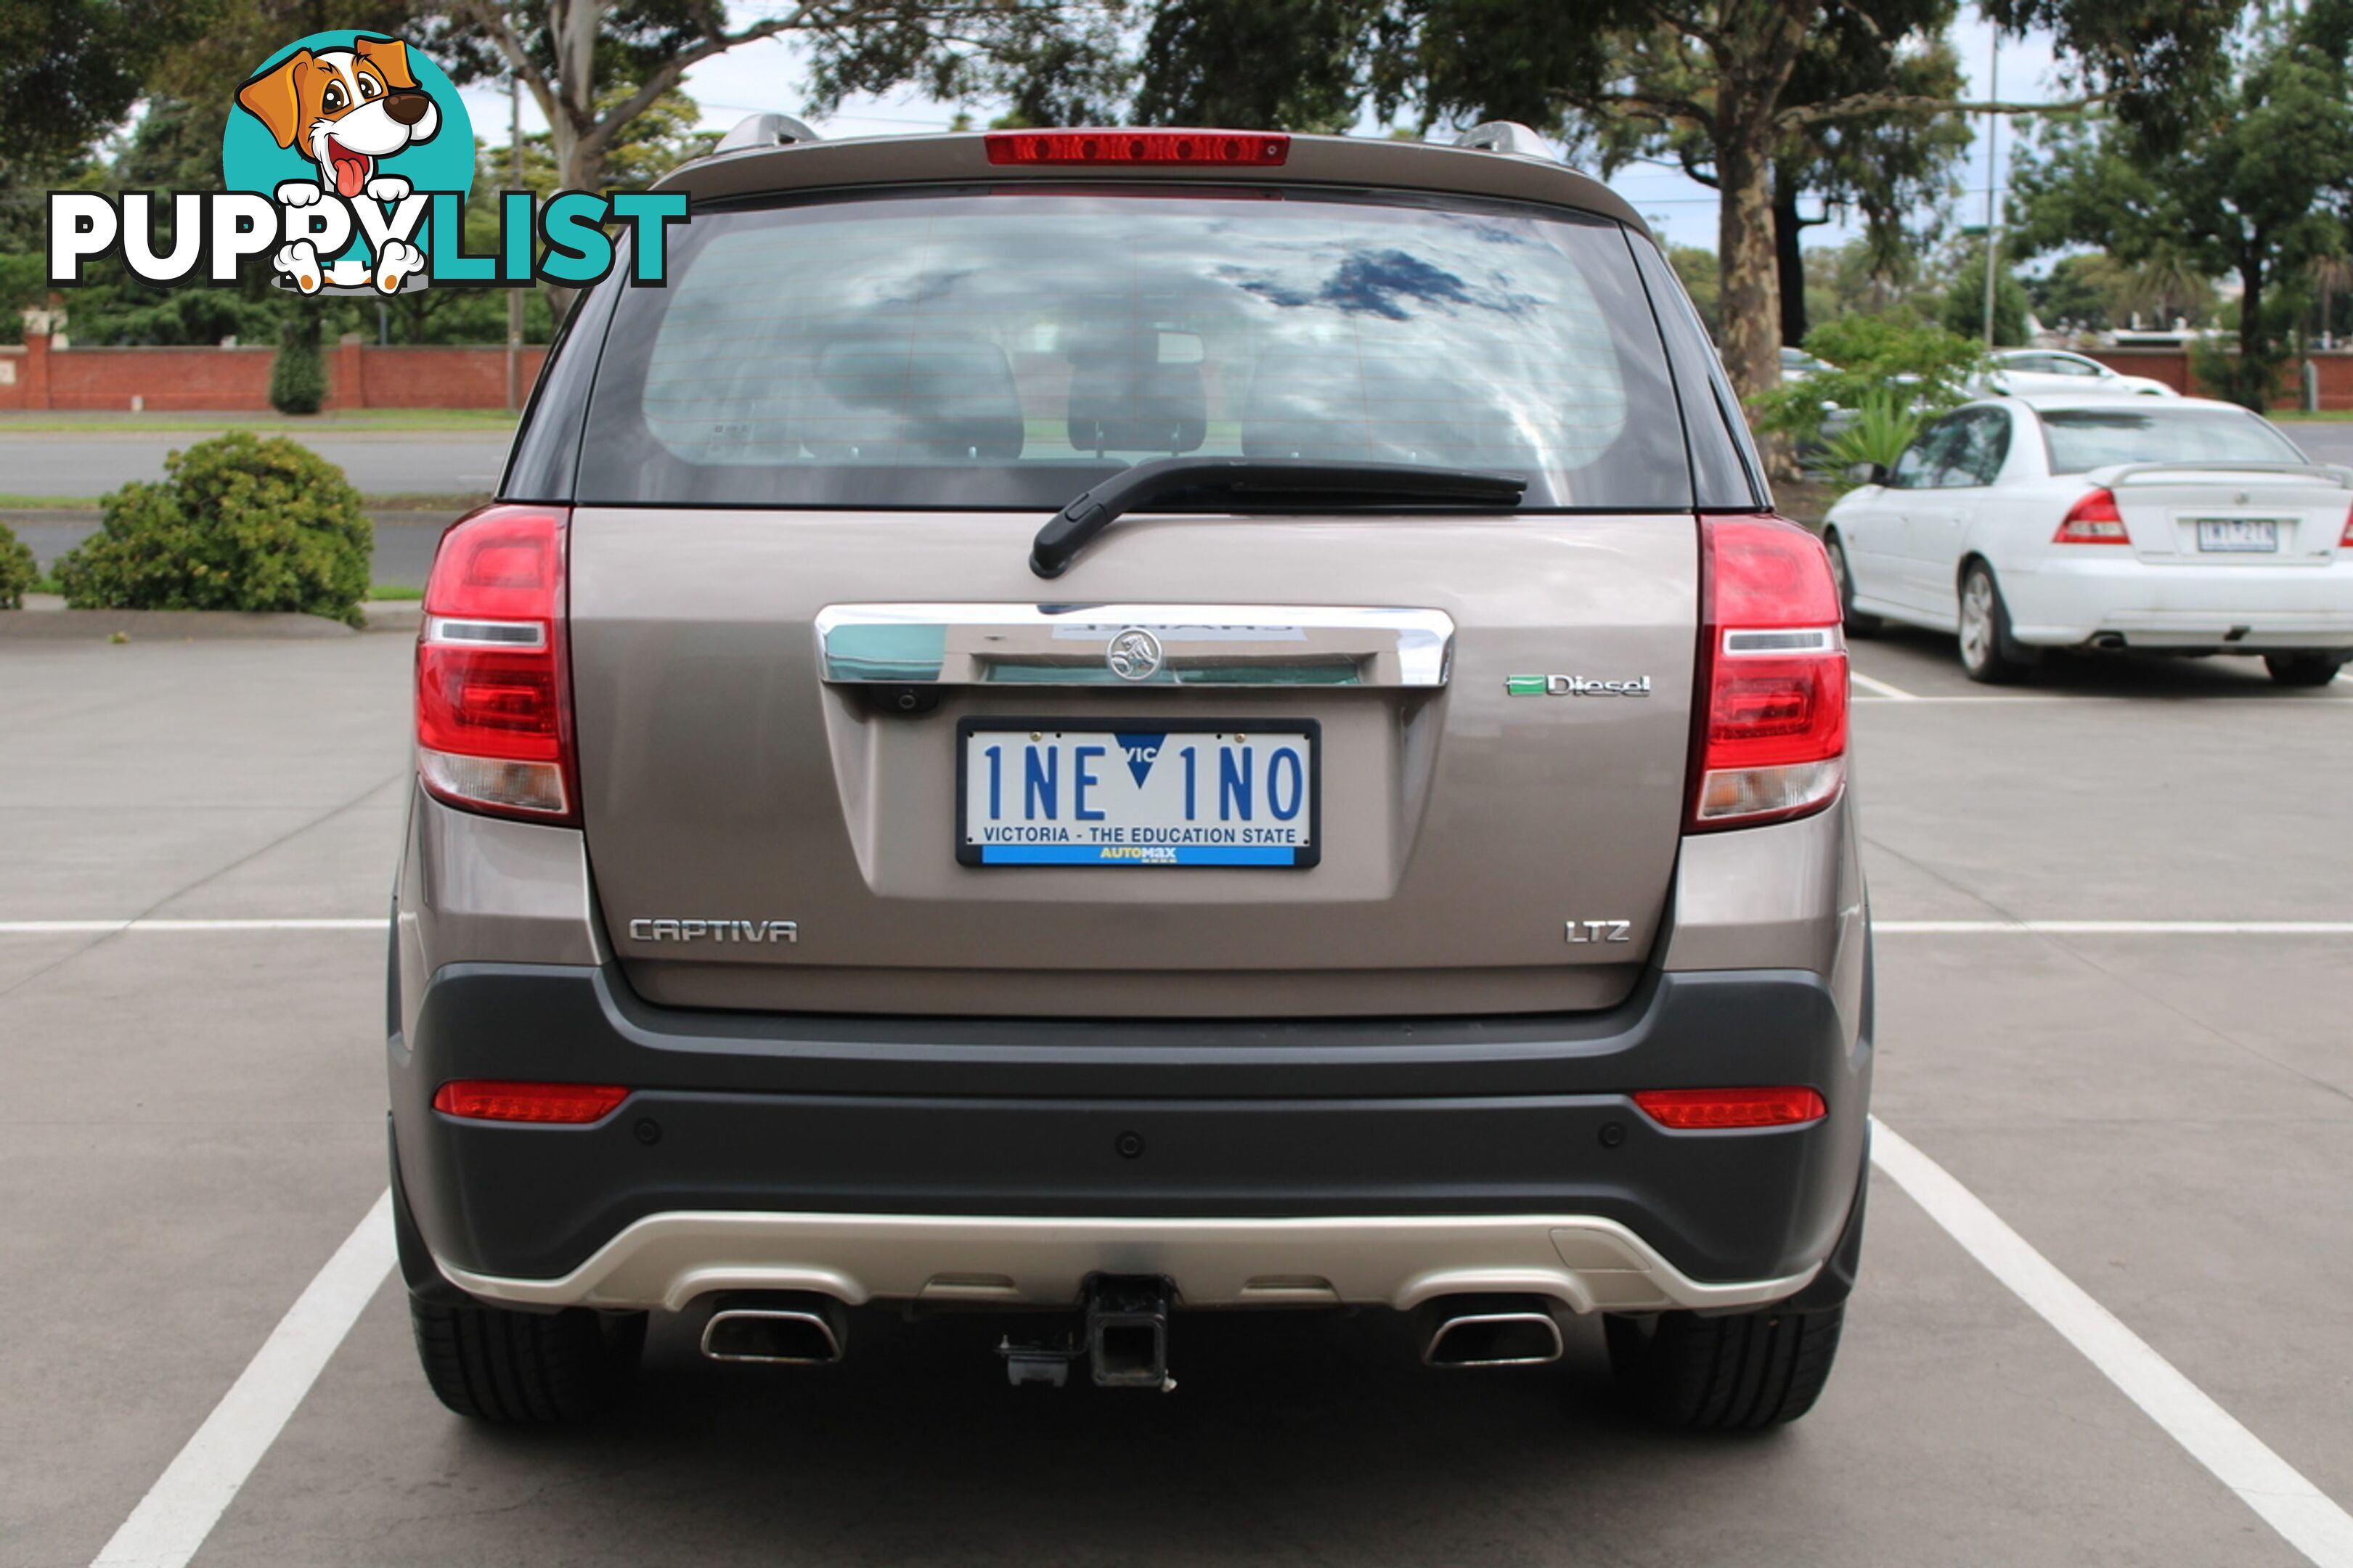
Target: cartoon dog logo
(349,109)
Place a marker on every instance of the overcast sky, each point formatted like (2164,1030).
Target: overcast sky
(770,76)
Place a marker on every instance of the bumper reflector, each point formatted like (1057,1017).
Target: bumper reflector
(1709,1109)
(497,1100)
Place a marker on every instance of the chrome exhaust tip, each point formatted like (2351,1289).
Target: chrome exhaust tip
(778,1328)
(1498,1331)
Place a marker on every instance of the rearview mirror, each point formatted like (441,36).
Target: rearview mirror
(1867,474)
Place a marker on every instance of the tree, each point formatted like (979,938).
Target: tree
(1889,166)
(1700,277)
(595,67)
(70,69)
(1962,309)
(1252,66)
(2090,292)
(2257,189)
(1722,69)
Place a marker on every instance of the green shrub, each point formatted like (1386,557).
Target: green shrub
(1885,424)
(298,375)
(1894,355)
(242,523)
(18,571)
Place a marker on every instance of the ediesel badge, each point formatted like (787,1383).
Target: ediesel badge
(1574,686)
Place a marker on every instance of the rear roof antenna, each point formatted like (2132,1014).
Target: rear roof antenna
(767,130)
(1506,136)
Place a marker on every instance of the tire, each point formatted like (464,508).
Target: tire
(526,1369)
(1858,624)
(1988,653)
(1738,1373)
(2304,668)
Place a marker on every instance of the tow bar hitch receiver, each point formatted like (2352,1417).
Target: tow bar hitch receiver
(1127,1331)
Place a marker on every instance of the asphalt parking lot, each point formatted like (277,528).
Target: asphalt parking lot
(2115,905)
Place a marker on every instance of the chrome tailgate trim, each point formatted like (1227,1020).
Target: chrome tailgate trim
(1240,645)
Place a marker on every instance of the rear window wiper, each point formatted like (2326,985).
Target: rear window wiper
(1303,481)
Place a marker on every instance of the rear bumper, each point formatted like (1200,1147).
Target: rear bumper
(1268,1164)
(670,1258)
(2183,606)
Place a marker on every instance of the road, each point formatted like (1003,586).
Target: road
(2324,440)
(405,540)
(88,463)
(197,1124)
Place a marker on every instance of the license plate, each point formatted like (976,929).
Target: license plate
(1140,795)
(2238,533)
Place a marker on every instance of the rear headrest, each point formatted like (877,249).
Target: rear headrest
(941,398)
(1130,397)
(1355,402)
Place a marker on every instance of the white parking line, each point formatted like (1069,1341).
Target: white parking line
(180,1509)
(47,928)
(1873,683)
(2113,928)
(2304,1516)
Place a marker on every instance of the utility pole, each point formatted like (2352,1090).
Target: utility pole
(514,296)
(1993,181)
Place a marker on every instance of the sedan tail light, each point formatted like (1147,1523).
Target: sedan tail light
(2094,520)
(1771,741)
(2345,540)
(493,683)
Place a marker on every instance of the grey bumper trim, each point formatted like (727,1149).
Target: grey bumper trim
(1589,1264)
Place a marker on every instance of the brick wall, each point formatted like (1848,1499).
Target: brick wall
(211,380)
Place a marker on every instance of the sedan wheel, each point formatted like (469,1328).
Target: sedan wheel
(1987,652)
(2302,668)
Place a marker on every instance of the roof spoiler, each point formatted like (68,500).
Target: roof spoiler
(767,130)
(2335,473)
(1506,136)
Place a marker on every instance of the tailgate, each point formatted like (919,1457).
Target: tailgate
(1460,820)
(2221,515)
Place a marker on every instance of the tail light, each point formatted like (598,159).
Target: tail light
(1227,147)
(493,685)
(2345,540)
(497,1100)
(2094,520)
(1771,740)
(1713,1110)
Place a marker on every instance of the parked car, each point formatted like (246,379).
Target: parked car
(2054,373)
(2187,527)
(1797,364)
(1084,725)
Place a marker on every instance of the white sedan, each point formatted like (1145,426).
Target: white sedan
(2054,372)
(2184,527)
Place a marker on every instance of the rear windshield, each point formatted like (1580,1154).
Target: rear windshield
(2085,438)
(987,348)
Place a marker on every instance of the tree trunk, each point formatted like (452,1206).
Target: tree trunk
(579,166)
(2255,384)
(1789,259)
(1751,295)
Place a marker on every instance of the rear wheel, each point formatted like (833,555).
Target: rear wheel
(1735,1372)
(513,1368)
(1858,624)
(1988,653)
(2304,668)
